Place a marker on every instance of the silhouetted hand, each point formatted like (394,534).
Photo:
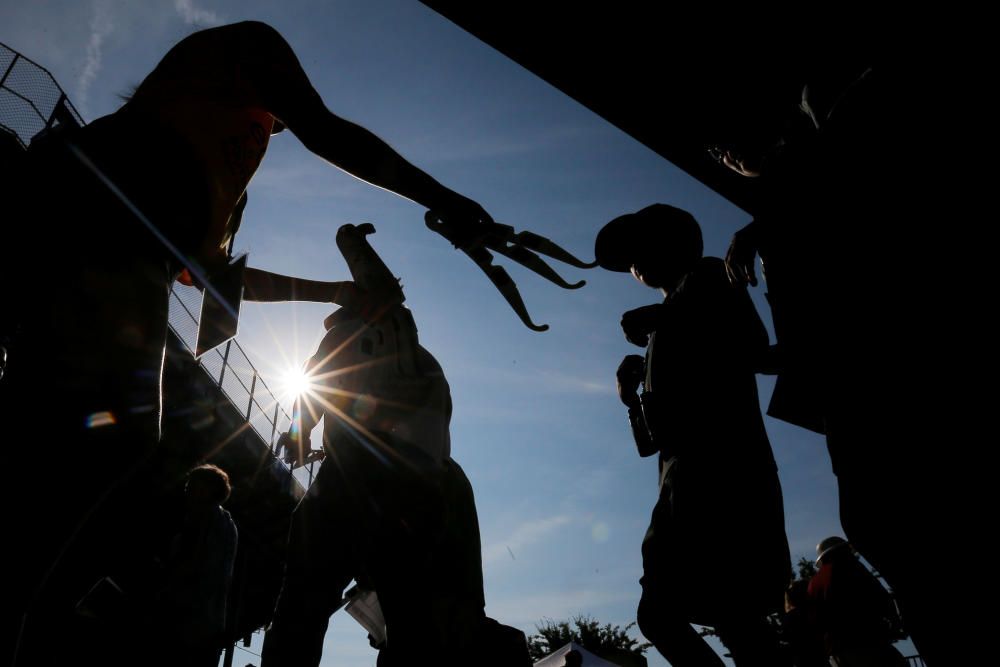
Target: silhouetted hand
(290,448)
(371,302)
(296,454)
(630,373)
(368,305)
(740,256)
(741,164)
(466,218)
(639,323)
(346,294)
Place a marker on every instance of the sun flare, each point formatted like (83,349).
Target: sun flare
(295,382)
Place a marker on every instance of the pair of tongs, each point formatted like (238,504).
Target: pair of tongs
(477,241)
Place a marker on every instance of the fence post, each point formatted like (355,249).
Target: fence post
(274,427)
(9,69)
(55,111)
(225,362)
(253,386)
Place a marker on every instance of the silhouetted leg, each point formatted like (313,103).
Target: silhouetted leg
(672,635)
(752,642)
(876,515)
(899,508)
(661,618)
(461,552)
(320,564)
(441,622)
(402,563)
(445,620)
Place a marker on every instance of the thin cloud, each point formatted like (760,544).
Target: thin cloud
(195,15)
(564,383)
(524,535)
(101,26)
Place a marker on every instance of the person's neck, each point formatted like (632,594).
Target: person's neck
(670,288)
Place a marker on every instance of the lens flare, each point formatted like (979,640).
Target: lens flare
(99,419)
(295,382)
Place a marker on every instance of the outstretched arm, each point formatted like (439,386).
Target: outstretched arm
(363,155)
(285,91)
(260,285)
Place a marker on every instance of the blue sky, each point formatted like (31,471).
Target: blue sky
(563,499)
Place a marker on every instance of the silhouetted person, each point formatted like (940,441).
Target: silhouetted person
(799,629)
(873,366)
(112,213)
(855,614)
(11,154)
(574,659)
(389,506)
(720,507)
(193,592)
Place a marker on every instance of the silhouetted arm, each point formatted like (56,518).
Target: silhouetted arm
(639,323)
(629,377)
(285,91)
(741,254)
(363,155)
(749,344)
(260,285)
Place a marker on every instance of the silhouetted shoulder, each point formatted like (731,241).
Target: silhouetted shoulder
(708,276)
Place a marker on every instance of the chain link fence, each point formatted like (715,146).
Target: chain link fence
(31,101)
(230,368)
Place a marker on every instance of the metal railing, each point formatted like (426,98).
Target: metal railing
(31,101)
(31,104)
(230,367)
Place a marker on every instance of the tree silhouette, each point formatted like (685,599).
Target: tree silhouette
(607,641)
(806,568)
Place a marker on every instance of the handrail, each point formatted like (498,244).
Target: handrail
(30,98)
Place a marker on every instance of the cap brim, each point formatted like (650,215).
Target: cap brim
(615,246)
(623,239)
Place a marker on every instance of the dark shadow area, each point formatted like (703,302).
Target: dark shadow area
(876,353)
(677,78)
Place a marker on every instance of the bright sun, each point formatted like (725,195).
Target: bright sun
(295,382)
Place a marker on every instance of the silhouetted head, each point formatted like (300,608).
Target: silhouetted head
(830,547)
(207,484)
(574,659)
(658,245)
